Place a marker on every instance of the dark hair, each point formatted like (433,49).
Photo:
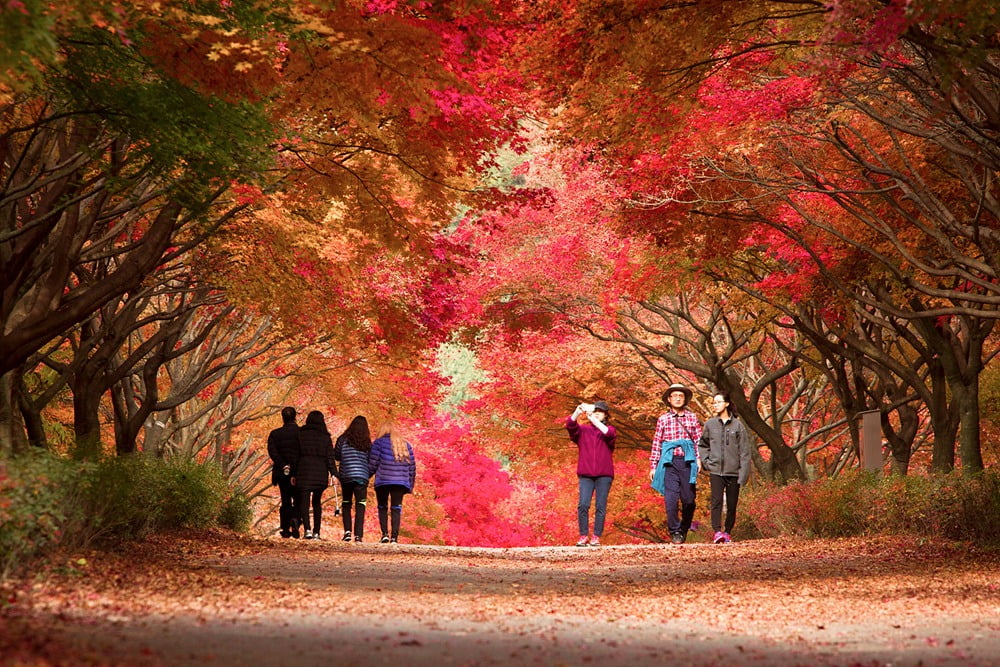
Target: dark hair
(729,403)
(315,418)
(288,414)
(358,434)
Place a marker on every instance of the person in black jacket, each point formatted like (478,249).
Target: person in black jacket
(316,465)
(352,450)
(283,448)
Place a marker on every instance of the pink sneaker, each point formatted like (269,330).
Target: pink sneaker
(595,541)
(720,537)
(726,538)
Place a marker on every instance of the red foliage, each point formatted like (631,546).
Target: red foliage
(473,491)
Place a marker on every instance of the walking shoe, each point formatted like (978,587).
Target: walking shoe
(582,541)
(357,538)
(309,534)
(595,541)
(384,540)
(347,536)
(726,538)
(677,538)
(394,540)
(719,537)
(316,535)
(286,534)
(295,532)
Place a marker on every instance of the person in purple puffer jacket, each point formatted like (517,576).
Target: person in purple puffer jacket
(394,466)
(595,468)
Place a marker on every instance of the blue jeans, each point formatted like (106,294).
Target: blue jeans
(588,487)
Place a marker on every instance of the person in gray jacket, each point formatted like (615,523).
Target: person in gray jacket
(724,447)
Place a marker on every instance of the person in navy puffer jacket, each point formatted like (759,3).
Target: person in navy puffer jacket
(392,463)
(352,450)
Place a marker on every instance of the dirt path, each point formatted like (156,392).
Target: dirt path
(224,600)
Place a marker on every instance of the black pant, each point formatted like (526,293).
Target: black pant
(288,510)
(678,488)
(358,493)
(317,505)
(384,495)
(730,485)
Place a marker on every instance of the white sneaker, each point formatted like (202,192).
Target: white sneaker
(309,534)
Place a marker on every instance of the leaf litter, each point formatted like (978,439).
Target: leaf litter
(197,598)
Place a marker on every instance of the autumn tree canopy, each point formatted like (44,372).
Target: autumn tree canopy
(827,154)
(212,209)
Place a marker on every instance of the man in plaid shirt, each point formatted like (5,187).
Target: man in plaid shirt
(681,428)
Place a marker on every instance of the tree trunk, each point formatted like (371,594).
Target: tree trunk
(153,433)
(34,426)
(901,441)
(87,420)
(959,348)
(784,465)
(944,422)
(761,466)
(12,434)
(970,452)
(125,438)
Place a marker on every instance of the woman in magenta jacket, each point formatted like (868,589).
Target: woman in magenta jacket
(595,440)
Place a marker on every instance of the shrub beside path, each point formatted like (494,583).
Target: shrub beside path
(222,599)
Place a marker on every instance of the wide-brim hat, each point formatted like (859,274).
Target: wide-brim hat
(602,406)
(677,387)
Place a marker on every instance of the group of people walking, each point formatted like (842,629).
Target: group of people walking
(305,460)
(681,448)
